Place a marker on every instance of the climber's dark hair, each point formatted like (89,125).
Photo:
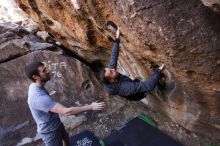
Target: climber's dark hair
(99,70)
(32,69)
(102,78)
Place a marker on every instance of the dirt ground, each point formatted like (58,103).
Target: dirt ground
(104,125)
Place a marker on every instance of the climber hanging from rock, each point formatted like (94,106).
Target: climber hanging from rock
(118,84)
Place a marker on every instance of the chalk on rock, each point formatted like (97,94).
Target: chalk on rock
(75,4)
(112,26)
(58,43)
(43,35)
(78,103)
(52,92)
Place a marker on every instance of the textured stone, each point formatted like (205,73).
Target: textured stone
(9,12)
(71,81)
(213,4)
(16,41)
(183,34)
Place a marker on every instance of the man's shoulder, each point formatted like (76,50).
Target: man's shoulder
(31,92)
(32,86)
(34,92)
(32,89)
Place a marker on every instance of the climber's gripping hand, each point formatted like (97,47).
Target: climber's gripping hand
(162,67)
(117,33)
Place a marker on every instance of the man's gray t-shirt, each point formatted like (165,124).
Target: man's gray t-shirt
(40,104)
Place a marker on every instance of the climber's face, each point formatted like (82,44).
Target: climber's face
(112,74)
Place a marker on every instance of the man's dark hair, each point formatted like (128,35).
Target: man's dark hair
(102,77)
(32,69)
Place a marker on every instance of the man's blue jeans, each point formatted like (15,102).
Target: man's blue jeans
(55,138)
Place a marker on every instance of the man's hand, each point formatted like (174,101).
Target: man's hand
(162,67)
(118,33)
(97,106)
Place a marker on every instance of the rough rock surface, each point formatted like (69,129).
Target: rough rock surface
(10,12)
(213,4)
(183,34)
(72,83)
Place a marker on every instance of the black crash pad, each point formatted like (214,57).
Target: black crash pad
(138,133)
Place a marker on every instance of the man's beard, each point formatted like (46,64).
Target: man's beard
(116,77)
(47,78)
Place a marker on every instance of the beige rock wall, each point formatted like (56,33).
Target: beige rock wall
(183,34)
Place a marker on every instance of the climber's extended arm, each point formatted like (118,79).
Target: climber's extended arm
(114,56)
(115,52)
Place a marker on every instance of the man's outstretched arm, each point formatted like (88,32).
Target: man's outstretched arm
(115,52)
(60,109)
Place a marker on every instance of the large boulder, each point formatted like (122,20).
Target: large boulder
(72,83)
(183,34)
(9,12)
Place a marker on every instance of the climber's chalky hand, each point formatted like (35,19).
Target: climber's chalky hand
(118,33)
